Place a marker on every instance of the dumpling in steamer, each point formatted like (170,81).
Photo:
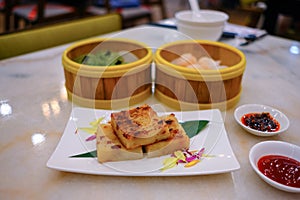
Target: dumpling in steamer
(207,63)
(185,60)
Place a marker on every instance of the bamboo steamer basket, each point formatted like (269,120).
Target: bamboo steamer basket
(188,88)
(108,87)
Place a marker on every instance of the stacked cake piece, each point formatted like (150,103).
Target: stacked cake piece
(140,130)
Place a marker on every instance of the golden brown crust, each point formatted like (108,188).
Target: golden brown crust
(139,126)
(130,131)
(178,141)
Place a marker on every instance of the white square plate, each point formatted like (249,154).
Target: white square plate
(213,138)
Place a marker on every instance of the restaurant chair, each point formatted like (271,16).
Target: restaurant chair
(6,10)
(254,10)
(242,12)
(158,3)
(26,41)
(41,11)
(131,11)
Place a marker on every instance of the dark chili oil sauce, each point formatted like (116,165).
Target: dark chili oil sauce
(261,122)
(281,169)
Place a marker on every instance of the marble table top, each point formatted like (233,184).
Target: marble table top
(35,110)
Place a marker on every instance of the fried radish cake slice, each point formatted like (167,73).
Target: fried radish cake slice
(179,140)
(139,126)
(109,148)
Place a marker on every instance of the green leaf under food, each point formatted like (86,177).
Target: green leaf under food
(192,128)
(91,154)
(79,59)
(100,58)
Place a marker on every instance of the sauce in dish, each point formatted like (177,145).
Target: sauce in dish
(261,122)
(281,169)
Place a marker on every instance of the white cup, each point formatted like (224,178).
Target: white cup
(203,25)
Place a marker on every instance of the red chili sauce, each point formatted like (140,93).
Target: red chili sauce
(281,169)
(261,122)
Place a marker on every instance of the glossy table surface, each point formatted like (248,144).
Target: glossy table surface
(35,111)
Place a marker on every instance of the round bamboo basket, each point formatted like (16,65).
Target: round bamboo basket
(188,88)
(108,87)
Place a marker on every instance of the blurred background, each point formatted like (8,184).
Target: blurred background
(281,18)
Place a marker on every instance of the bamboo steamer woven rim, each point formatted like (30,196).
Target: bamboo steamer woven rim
(181,105)
(201,74)
(107,71)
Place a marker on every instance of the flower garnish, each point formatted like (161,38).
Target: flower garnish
(91,130)
(92,137)
(191,158)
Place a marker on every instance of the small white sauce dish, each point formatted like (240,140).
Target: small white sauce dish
(257,108)
(274,148)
